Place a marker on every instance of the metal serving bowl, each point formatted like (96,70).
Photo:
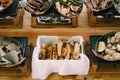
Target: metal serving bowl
(102,54)
(98,5)
(68,8)
(36,6)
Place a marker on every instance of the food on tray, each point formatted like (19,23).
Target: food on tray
(68,8)
(10,51)
(117,5)
(59,51)
(109,46)
(38,6)
(98,5)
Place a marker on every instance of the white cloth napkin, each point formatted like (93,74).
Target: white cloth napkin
(42,68)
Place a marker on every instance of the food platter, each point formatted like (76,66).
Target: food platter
(108,47)
(37,7)
(4,6)
(68,8)
(98,5)
(60,47)
(10,52)
(117,5)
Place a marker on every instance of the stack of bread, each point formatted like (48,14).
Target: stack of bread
(60,51)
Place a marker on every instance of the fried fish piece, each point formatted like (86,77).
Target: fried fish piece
(49,51)
(76,52)
(68,51)
(59,47)
(12,56)
(54,52)
(42,54)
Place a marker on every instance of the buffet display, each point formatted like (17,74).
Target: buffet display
(58,12)
(61,54)
(69,8)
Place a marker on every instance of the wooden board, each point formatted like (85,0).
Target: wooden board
(34,24)
(20,70)
(15,22)
(95,21)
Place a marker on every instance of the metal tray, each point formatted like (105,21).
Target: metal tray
(23,41)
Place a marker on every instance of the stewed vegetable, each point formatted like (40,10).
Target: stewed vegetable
(68,8)
(117,5)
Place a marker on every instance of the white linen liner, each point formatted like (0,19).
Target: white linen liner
(42,68)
